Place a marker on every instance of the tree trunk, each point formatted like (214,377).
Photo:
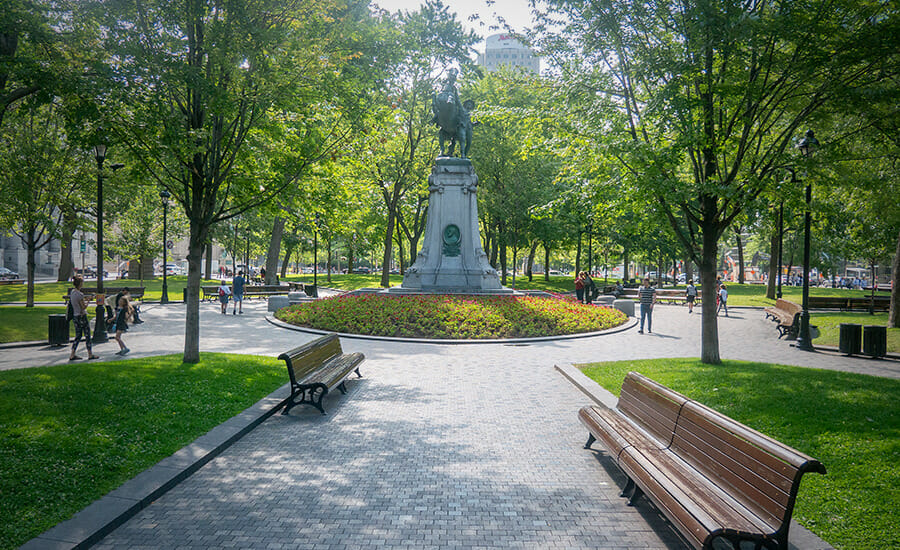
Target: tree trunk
(547,262)
(740,256)
(274,252)
(709,334)
(688,269)
(330,258)
(192,306)
(625,263)
(29,274)
(66,263)
(772,283)
(208,260)
(894,319)
(388,249)
(288,250)
(501,244)
(530,268)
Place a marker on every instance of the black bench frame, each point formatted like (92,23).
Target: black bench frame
(316,368)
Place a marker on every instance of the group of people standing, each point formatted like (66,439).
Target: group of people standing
(585,288)
(78,302)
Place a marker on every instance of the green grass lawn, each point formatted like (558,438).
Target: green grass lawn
(830,323)
(850,422)
(54,292)
(69,434)
(26,324)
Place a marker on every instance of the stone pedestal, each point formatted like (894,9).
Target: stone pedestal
(605,300)
(452,259)
(625,306)
(278,302)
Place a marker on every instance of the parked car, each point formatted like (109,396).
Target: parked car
(362,270)
(8,273)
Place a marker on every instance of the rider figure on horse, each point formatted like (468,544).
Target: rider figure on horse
(452,116)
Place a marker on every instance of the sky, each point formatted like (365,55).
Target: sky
(517,13)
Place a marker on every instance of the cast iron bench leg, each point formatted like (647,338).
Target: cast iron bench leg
(590,442)
(629,486)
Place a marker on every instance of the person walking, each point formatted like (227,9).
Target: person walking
(124,312)
(224,293)
(589,288)
(723,300)
(648,298)
(579,287)
(79,316)
(690,294)
(237,290)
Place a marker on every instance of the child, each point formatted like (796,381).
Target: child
(690,295)
(224,293)
(723,300)
(124,313)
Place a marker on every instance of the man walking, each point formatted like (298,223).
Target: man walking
(648,299)
(690,294)
(237,290)
(80,317)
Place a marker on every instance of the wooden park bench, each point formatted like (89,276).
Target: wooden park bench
(12,281)
(316,368)
(264,291)
(787,314)
(137,292)
(717,480)
(209,292)
(881,303)
(829,302)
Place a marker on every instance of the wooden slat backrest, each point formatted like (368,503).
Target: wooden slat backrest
(652,405)
(762,473)
(306,358)
(788,306)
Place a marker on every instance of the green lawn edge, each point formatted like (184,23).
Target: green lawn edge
(69,434)
(850,422)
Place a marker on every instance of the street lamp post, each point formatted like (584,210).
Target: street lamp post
(590,229)
(164,195)
(780,241)
(807,146)
(316,252)
(100,320)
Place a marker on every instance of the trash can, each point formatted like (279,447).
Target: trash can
(58,329)
(311,290)
(184,294)
(875,340)
(850,339)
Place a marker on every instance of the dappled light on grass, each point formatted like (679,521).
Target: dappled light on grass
(452,317)
(850,422)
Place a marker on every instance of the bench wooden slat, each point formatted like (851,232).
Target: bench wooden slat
(712,476)
(317,367)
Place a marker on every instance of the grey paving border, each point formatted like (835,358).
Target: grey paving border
(105,514)
(631,322)
(799,537)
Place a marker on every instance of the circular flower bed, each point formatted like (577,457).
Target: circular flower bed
(452,317)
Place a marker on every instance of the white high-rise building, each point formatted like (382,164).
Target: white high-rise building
(503,49)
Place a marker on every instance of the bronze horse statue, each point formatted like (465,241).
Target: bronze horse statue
(446,109)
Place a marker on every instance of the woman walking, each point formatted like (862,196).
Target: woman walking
(125,313)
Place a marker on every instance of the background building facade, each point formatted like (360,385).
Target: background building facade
(503,49)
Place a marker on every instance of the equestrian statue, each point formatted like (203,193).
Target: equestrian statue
(452,117)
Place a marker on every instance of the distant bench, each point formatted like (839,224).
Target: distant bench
(719,482)
(316,368)
(671,295)
(12,281)
(211,292)
(881,303)
(137,292)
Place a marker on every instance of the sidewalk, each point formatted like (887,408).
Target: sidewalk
(465,446)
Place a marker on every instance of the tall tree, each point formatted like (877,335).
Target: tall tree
(710,97)
(214,92)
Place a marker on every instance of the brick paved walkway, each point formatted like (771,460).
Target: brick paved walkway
(450,446)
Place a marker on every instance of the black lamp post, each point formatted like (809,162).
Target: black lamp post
(100,320)
(590,230)
(807,146)
(164,195)
(781,241)
(316,252)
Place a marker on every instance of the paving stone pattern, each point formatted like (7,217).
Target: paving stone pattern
(429,450)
